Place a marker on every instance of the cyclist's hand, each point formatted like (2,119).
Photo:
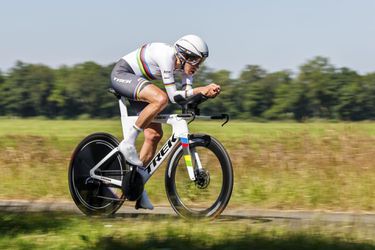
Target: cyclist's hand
(212,90)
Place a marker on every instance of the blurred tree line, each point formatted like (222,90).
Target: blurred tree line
(319,90)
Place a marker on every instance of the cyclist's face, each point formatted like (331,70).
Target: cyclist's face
(190,69)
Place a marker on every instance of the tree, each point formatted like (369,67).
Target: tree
(259,96)
(242,101)
(349,85)
(319,90)
(286,97)
(252,73)
(59,98)
(365,98)
(86,87)
(26,90)
(318,78)
(2,79)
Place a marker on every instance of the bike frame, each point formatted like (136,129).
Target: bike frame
(180,134)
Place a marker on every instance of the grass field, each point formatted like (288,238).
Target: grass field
(316,165)
(64,231)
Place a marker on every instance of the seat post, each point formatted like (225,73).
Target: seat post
(123,109)
(124,115)
(126,121)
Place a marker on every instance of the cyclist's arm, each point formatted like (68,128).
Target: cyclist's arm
(187,86)
(172,92)
(211,90)
(167,72)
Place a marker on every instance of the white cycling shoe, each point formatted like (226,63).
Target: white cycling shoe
(143,201)
(130,153)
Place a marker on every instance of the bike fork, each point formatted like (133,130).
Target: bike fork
(187,156)
(190,157)
(196,159)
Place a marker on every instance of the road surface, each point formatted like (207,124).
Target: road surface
(229,213)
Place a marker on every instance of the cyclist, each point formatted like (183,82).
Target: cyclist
(131,78)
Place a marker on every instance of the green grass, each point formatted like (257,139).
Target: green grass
(64,231)
(318,165)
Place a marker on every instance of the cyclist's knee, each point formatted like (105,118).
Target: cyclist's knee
(161,101)
(154,96)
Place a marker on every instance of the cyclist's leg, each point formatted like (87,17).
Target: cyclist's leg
(157,100)
(153,133)
(125,82)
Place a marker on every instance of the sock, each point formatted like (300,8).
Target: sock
(133,134)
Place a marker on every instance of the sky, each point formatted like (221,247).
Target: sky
(275,34)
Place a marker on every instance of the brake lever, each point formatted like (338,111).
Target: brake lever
(227,119)
(220,117)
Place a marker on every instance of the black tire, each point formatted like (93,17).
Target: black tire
(94,197)
(200,201)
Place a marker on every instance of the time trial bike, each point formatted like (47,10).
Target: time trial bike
(198,176)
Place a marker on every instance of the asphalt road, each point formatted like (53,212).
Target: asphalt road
(294,216)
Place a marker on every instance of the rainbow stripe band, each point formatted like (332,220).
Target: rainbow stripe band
(184,142)
(143,65)
(169,84)
(188,160)
(138,89)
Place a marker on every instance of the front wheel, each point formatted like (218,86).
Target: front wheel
(209,194)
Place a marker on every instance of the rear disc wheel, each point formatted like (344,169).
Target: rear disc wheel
(94,197)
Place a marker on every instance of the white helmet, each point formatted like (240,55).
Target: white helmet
(191,49)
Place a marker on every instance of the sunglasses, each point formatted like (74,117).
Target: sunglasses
(190,58)
(195,61)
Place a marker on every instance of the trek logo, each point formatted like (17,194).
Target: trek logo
(163,151)
(127,81)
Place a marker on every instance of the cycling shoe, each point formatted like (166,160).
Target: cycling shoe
(144,202)
(130,153)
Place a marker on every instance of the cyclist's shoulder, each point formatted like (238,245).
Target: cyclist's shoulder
(160,45)
(161,53)
(161,49)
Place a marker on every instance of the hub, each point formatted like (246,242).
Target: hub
(202,178)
